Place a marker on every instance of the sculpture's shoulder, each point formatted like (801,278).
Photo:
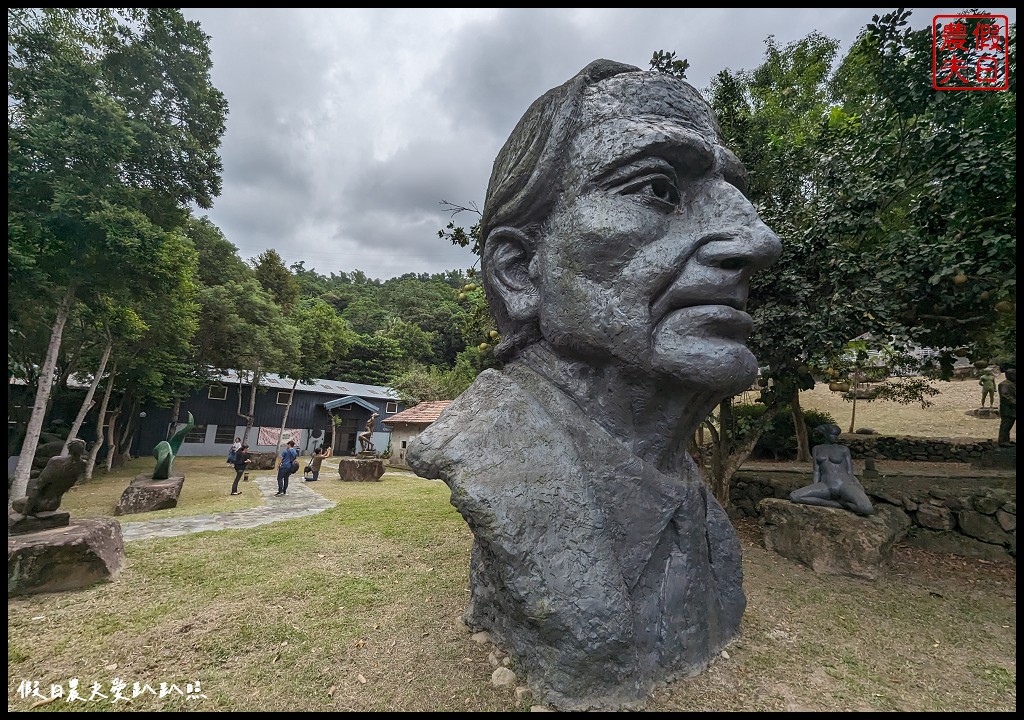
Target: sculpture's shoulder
(494,419)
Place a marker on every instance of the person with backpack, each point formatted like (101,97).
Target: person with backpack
(241,463)
(234,449)
(288,465)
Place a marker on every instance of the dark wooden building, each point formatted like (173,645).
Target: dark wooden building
(328,411)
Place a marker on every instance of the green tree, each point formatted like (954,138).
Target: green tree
(322,338)
(113,130)
(219,262)
(241,328)
(853,168)
(372,359)
(276,279)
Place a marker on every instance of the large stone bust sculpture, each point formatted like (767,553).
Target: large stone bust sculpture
(617,249)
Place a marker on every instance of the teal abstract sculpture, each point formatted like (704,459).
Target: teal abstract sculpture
(165,451)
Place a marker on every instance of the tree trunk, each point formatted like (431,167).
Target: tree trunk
(803,448)
(853,414)
(23,471)
(726,456)
(111,440)
(124,445)
(94,451)
(284,423)
(252,403)
(88,402)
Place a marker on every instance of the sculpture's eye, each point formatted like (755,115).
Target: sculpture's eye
(656,188)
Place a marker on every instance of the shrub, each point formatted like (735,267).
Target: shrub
(778,441)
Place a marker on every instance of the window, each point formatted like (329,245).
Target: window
(282,397)
(197,434)
(225,434)
(218,392)
(404,443)
(391,408)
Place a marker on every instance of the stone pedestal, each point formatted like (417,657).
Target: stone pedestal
(999,458)
(831,541)
(68,558)
(263,461)
(44,520)
(360,469)
(985,413)
(146,494)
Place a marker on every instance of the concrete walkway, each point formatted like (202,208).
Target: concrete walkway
(300,501)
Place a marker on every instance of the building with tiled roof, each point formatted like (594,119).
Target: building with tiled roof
(406,425)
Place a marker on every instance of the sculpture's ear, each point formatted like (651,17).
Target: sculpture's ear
(509,254)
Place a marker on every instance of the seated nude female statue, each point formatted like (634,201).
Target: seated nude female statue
(834,484)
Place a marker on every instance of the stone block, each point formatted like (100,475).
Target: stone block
(953,543)
(936,517)
(145,494)
(360,469)
(982,527)
(831,541)
(81,554)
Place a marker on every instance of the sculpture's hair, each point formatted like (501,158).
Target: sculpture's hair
(829,429)
(526,182)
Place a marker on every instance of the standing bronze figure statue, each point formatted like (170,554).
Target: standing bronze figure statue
(365,441)
(617,248)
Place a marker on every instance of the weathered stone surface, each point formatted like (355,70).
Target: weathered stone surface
(954,544)
(987,504)
(982,527)
(1006,521)
(935,517)
(263,461)
(998,458)
(832,541)
(83,553)
(18,523)
(145,494)
(360,469)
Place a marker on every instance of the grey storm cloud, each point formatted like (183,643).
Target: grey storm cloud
(347,128)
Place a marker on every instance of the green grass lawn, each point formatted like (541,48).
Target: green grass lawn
(358,609)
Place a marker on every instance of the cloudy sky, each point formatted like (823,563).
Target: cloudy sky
(348,127)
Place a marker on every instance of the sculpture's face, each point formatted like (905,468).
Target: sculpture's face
(648,256)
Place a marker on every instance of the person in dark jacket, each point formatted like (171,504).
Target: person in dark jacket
(242,461)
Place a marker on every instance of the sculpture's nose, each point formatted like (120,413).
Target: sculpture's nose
(748,249)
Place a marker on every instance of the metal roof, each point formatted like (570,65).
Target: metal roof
(331,387)
(349,400)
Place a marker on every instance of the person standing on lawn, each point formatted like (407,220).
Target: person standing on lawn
(286,466)
(241,464)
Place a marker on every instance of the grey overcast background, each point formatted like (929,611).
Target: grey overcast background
(347,127)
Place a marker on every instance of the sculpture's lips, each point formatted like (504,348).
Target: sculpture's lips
(724,320)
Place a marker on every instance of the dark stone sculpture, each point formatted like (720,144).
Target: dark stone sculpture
(617,249)
(43,495)
(166,450)
(834,484)
(1007,403)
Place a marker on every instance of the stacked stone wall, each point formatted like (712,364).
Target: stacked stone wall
(976,517)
